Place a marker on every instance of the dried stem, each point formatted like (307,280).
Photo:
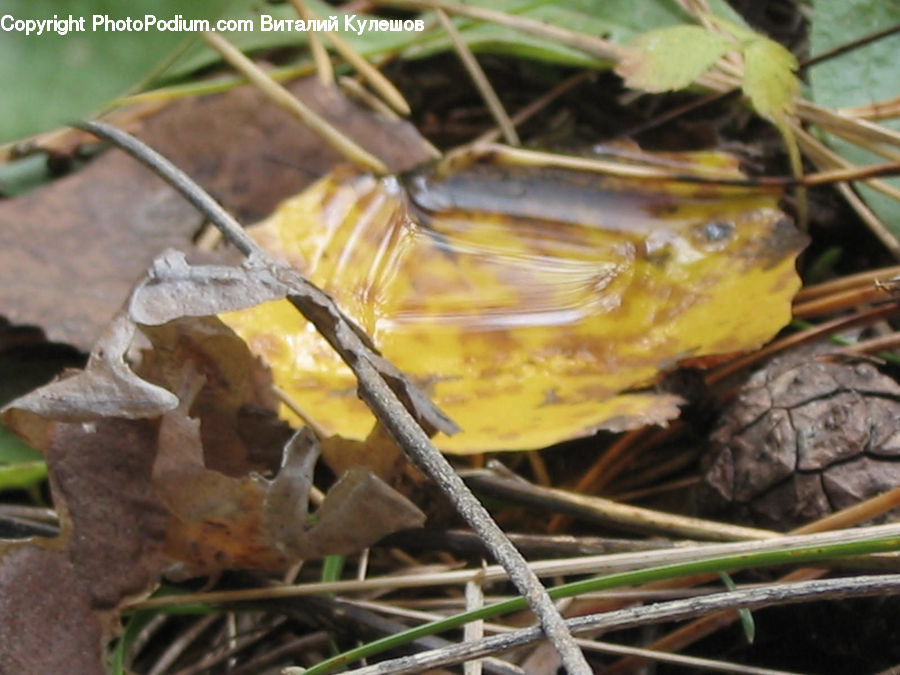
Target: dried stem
(374,389)
(284,99)
(762,596)
(369,72)
(491,100)
(525,113)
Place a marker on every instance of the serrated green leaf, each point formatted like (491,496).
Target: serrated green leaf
(671,58)
(769,79)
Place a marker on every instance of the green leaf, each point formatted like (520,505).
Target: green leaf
(671,58)
(859,77)
(21,466)
(22,476)
(747,622)
(737,30)
(615,20)
(769,80)
(51,79)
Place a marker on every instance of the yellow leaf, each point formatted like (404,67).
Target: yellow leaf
(525,301)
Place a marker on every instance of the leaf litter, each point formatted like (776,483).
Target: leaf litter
(248,154)
(195,502)
(132,475)
(186,376)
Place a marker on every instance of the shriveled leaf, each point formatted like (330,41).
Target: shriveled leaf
(769,78)
(525,302)
(671,58)
(235,404)
(114,524)
(174,289)
(224,522)
(106,388)
(139,483)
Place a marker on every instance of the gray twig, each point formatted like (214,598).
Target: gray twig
(397,405)
(677,610)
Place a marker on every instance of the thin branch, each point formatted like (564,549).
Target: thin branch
(677,610)
(850,46)
(284,99)
(369,72)
(376,378)
(480,80)
(589,645)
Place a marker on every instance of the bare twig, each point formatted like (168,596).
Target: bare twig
(398,406)
(283,98)
(491,100)
(371,74)
(762,596)
(591,645)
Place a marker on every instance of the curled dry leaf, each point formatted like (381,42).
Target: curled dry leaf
(223,522)
(173,289)
(107,387)
(526,302)
(159,468)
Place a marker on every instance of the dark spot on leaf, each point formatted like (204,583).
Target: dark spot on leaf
(718,231)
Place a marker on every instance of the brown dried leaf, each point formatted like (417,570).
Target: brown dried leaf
(107,387)
(173,289)
(70,251)
(32,637)
(225,522)
(140,483)
(234,408)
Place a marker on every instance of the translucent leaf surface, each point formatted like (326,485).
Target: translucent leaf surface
(525,301)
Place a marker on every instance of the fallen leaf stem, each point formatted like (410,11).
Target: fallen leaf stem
(375,390)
